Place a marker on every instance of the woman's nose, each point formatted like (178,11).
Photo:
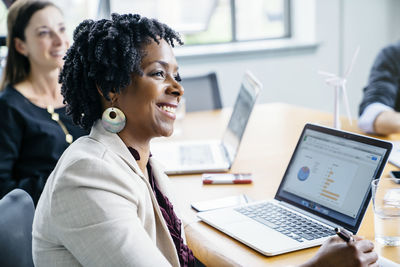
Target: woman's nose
(57,38)
(176,88)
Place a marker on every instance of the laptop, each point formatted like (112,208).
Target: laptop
(211,155)
(326,185)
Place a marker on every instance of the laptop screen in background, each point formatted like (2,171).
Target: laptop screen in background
(240,116)
(331,175)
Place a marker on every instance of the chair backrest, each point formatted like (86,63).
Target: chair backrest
(202,92)
(16,217)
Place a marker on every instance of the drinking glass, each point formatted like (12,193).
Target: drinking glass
(386,202)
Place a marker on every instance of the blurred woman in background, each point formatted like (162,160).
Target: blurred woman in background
(34,129)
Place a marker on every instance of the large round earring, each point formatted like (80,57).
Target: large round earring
(113,120)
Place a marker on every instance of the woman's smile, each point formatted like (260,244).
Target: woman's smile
(168,109)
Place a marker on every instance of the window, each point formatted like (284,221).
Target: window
(215,21)
(261,19)
(199,22)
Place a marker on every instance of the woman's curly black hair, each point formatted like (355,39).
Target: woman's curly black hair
(104,54)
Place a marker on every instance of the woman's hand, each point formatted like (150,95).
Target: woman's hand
(336,252)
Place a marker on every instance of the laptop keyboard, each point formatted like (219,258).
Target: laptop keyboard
(196,154)
(286,222)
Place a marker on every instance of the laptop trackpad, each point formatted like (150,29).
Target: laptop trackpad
(260,237)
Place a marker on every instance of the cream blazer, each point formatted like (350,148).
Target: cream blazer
(98,209)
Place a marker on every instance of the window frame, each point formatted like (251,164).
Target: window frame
(287,24)
(104,8)
(300,28)
(302,25)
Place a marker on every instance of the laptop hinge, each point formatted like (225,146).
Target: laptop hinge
(225,151)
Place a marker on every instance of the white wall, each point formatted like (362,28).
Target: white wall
(372,24)
(291,75)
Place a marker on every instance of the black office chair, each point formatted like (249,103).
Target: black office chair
(16,217)
(3,41)
(201,92)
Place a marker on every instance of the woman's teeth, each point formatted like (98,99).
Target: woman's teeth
(58,54)
(168,109)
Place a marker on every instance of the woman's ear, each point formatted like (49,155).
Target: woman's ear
(99,91)
(20,46)
(112,96)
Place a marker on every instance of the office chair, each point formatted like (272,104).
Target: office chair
(16,218)
(202,92)
(3,41)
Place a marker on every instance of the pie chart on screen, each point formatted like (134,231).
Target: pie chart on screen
(303,173)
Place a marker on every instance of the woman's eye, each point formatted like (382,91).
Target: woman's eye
(159,74)
(62,29)
(43,33)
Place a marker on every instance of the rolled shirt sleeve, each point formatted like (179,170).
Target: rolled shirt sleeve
(371,112)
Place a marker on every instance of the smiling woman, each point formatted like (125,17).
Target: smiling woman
(110,201)
(154,95)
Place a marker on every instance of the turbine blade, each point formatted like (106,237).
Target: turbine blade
(346,103)
(336,81)
(353,60)
(320,72)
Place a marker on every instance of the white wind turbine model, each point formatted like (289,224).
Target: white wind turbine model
(339,83)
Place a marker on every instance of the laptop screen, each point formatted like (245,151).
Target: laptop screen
(240,115)
(330,173)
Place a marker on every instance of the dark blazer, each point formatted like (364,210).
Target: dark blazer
(30,143)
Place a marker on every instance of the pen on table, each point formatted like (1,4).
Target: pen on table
(344,234)
(242,181)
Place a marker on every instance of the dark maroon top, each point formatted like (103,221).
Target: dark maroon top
(185,255)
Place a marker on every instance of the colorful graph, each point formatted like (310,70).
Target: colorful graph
(303,173)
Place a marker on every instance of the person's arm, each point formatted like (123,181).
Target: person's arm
(383,87)
(368,118)
(336,252)
(95,208)
(387,122)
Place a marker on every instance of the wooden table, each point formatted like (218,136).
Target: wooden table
(268,143)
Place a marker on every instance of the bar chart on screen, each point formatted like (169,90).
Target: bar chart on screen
(334,184)
(325,187)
